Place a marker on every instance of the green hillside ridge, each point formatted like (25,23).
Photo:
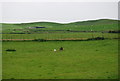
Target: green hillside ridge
(95,25)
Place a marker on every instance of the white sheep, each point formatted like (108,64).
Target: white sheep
(55,50)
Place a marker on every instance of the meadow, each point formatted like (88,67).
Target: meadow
(86,59)
(73,35)
(95,25)
(79,60)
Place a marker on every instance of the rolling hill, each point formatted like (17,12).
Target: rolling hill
(95,25)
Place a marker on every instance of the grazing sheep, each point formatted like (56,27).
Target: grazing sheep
(55,50)
(61,49)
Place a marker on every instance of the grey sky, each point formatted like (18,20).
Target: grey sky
(63,12)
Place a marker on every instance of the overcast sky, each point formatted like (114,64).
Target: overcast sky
(62,12)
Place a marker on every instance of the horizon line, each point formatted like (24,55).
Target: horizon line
(57,21)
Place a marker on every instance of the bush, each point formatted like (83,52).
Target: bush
(97,38)
(113,31)
(41,40)
(10,50)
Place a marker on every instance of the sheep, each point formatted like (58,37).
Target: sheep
(55,50)
(61,49)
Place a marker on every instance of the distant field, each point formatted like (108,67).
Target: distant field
(79,60)
(58,35)
(95,25)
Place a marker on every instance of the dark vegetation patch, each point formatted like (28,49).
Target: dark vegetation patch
(114,31)
(109,77)
(107,72)
(97,38)
(39,66)
(40,40)
(55,77)
(12,78)
(96,50)
(12,50)
(40,75)
(37,27)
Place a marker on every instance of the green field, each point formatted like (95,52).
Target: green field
(58,35)
(86,59)
(95,25)
(36,60)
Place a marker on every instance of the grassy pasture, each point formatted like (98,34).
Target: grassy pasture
(58,35)
(95,25)
(79,60)
(96,59)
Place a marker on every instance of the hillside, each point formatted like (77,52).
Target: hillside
(95,25)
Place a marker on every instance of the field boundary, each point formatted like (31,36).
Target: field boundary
(67,39)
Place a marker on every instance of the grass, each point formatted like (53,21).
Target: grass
(79,60)
(95,25)
(96,59)
(58,35)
